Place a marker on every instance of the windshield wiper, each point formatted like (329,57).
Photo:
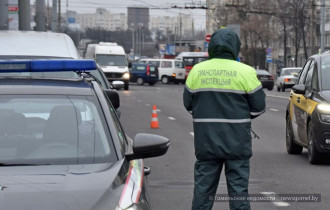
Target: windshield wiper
(21,164)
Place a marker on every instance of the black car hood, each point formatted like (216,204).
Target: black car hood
(64,187)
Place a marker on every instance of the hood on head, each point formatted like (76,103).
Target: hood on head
(225,44)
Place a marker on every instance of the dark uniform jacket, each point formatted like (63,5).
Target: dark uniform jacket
(223,96)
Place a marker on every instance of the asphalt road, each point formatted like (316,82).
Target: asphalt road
(274,173)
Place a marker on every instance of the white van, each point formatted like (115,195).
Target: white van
(170,70)
(112,59)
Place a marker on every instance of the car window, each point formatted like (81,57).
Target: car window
(309,76)
(179,64)
(140,68)
(303,73)
(325,73)
(53,130)
(156,63)
(152,68)
(167,64)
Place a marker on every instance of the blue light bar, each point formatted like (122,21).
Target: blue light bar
(9,66)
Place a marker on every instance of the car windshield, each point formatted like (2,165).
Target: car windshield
(53,130)
(325,73)
(262,72)
(293,72)
(110,60)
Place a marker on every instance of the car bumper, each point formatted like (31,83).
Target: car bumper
(266,84)
(321,132)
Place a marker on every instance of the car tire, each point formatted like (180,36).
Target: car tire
(165,80)
(151,83)
(126,86)
(291,146)
(140,81)
(278,88)
(314,156)
(270,88)
(283,88)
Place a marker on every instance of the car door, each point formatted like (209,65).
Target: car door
(301,102)
(295,105)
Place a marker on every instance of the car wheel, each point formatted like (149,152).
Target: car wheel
(314,156)
(140,81)
(291,146)
(151,83)
(165,80)
(283,88)
(270,88)
(278,88)
(126,87)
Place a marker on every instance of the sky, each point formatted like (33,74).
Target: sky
(156,7)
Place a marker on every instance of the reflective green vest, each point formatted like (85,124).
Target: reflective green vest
(223,96)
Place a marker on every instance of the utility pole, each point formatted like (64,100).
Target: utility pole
(312,26)
(54,16)
(59,16)
(40,17)
(3,14)
(24,18)
(322,25)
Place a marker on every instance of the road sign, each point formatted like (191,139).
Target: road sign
(269,57)
(207,38)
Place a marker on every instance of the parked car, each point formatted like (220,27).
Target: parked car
(266,79)
(308,110)
(170,70)
(143,73)
(62,145)
(287,78)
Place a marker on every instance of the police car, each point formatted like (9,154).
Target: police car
(62,145)
(308,110)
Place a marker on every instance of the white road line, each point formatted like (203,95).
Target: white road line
(192,133)
(277,201)
(275,110)
(147,104)
(171,118)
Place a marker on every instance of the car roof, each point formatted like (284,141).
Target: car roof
(36,43)
(24,86)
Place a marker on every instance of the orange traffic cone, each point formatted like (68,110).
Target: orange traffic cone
(154,118)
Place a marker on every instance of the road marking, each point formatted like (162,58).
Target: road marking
(274,110)
(192,133)
(147,104)
(277,201)
(171,118)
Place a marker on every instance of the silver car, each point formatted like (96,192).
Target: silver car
(287,78)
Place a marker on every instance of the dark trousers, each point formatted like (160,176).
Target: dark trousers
(207,176)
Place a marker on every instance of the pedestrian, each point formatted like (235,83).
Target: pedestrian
(222,95)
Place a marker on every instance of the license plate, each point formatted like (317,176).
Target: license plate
(263,78)
(152,75)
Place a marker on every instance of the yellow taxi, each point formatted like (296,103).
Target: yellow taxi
(308,110)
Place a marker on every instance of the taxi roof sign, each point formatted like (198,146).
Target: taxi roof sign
(8,66)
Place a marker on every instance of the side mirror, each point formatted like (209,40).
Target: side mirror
(118,84)
(147,146)
(299,89)
(114,97)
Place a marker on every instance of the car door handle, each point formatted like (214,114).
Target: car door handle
(298,100)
